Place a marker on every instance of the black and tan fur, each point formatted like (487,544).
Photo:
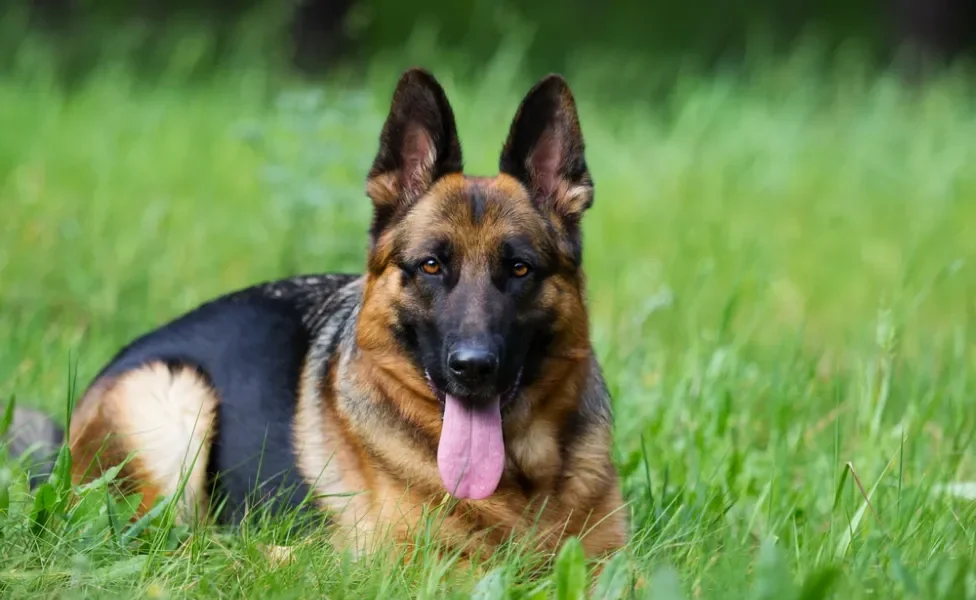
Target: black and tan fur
(319,385)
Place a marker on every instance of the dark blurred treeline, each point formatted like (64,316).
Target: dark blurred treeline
(318,35)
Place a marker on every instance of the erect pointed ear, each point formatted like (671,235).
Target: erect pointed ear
(418,145)
(545,150)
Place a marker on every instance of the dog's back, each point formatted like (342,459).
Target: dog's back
(205,404)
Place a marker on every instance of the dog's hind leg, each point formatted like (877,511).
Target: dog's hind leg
(157,421)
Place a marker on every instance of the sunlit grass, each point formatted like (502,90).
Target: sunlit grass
(779,269)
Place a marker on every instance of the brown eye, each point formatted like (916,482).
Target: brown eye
(431,266)
(520,269)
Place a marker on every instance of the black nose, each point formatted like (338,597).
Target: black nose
(472,364)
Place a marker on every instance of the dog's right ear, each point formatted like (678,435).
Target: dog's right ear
(418,145)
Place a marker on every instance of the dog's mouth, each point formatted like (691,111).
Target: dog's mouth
(471,450)
(507,396)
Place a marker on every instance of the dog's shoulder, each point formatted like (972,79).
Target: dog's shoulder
(307,292)
(314,298)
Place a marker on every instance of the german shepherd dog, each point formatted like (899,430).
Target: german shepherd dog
(460,362)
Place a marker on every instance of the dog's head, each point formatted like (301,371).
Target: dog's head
(476,281)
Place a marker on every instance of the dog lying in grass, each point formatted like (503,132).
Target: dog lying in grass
(459,364)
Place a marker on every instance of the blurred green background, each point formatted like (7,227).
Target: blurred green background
(779,262)
(319,35)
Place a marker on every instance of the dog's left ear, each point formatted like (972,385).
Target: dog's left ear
(545,150)
(418,145)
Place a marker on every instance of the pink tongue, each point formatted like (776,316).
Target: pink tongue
(471,453)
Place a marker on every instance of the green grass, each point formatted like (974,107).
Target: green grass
(780,276)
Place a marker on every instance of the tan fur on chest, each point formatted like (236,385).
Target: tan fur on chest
(535,453)
(384,486)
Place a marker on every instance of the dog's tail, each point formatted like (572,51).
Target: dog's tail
(36,439)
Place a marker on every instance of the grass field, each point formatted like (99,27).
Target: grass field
(780,275)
